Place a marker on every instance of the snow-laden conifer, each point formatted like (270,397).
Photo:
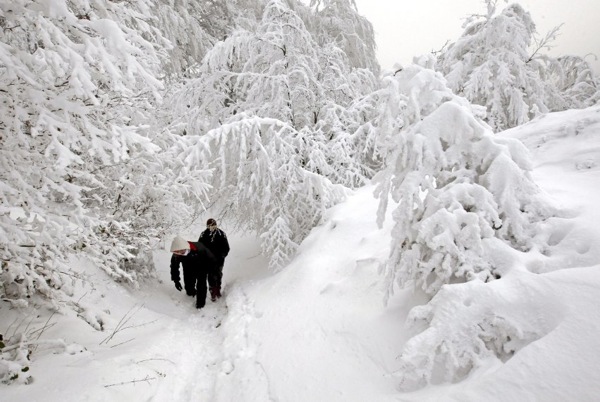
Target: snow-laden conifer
(276,240)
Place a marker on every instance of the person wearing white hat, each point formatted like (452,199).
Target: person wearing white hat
(197,261)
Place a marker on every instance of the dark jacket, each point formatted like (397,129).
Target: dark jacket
(217,242)
(199,260)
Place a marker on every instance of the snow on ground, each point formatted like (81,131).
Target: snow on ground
(566,154)
(319,331)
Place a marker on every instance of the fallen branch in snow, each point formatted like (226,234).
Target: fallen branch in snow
(58,343)
(152,359)
(147,379)
(122,343)
(126,317)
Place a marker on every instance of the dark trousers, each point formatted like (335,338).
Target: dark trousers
(215,277)
(189,281)
(201,278)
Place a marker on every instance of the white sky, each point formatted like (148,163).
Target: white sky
(410,28)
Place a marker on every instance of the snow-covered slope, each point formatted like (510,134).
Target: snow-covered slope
(565,276)
(318,330)
(565,149)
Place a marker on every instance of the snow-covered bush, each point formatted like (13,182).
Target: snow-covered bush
(473,325)
(14,360)
(575,79)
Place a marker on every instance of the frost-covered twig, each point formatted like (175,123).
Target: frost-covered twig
(41,331)
(545,42)
(44,327)
(121,326)
(59,343)
(18,325)
(152,359)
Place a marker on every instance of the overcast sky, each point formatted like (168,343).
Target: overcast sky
(409,28)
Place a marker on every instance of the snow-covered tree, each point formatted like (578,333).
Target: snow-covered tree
(575,79)
(458,189)
(354,34)
(258,180)
(78,151)
(192,27)
(270,72)
(379,117)
(491,65)
(278,70)
(332,147)
(269,85)
(464,197)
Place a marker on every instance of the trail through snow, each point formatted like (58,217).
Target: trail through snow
(194,339)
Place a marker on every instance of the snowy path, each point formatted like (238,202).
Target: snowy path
(166,350)
(317,330)
(193,341)
(195,345)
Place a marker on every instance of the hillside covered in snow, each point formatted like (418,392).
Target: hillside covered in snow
(319,329)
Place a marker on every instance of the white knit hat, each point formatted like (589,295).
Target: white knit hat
(179,243)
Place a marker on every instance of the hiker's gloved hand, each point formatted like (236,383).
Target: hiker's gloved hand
(178,286)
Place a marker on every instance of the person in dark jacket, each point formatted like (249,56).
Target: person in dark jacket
(197,261)
(216,241)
